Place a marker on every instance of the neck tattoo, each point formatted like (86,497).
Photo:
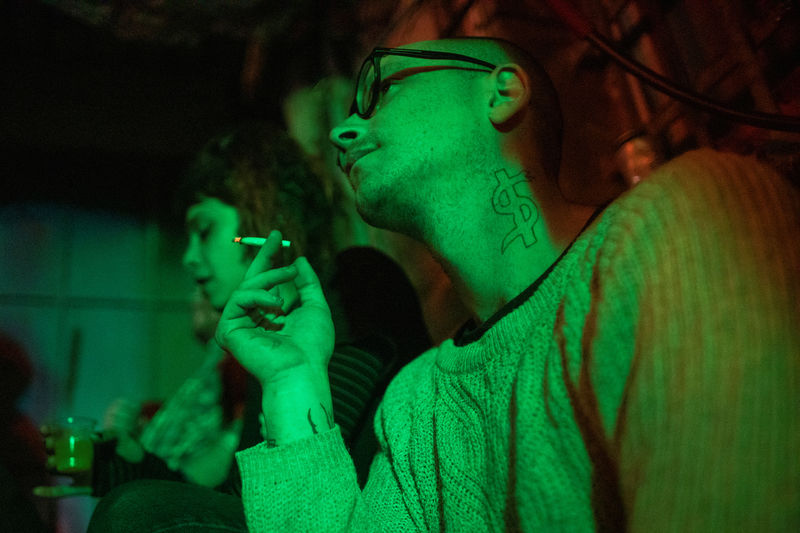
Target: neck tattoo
(512,197)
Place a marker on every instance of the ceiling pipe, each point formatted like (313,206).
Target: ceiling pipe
(584,29)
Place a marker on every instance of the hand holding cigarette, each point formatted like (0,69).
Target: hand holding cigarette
(289,354)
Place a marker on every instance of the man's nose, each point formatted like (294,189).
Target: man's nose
(346,133)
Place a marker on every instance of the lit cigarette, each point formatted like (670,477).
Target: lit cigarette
(258,241)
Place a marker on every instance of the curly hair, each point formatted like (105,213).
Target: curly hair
(259,170)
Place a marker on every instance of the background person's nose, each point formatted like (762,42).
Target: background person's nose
(190,257)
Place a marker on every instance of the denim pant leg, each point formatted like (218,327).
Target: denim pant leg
(155,506)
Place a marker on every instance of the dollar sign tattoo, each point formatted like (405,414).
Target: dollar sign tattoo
(507,200)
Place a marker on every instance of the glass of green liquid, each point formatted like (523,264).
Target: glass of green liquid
(72,444)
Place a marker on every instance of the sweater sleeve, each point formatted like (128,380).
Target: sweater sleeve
(308,485)
(696,299)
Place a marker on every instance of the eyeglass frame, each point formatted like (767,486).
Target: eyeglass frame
(375,59)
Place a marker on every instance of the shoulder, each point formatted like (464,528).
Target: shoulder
(692,337)
(705,245)
(698,202)
(702,223)
(708,184)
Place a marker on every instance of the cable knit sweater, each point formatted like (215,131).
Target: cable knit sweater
(649,381)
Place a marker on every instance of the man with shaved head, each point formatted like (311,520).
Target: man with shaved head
(629,366)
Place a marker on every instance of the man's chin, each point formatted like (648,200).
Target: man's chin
(354,179)
(375,214)
(365,211)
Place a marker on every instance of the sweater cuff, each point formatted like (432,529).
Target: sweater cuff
(295,460)
(306,485)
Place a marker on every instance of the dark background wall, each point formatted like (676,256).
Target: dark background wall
(89,119)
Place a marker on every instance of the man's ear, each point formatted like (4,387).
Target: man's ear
(510,94)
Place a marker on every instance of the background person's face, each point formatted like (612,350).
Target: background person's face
(212,259)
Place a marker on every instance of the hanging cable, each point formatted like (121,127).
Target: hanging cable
(583,28)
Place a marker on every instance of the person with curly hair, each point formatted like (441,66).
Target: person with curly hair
(247,182)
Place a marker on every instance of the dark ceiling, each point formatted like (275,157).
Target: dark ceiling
(93,120)
(102,102)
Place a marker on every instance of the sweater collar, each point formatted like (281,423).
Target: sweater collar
(471,332)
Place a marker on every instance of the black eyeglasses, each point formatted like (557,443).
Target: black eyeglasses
(368,90)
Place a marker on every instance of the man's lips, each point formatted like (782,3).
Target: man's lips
(349,158)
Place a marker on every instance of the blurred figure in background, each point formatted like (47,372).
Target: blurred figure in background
(22,454)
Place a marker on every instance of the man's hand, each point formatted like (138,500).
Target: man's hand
(272,345)
(287,350)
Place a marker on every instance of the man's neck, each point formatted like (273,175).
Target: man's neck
(496,252)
